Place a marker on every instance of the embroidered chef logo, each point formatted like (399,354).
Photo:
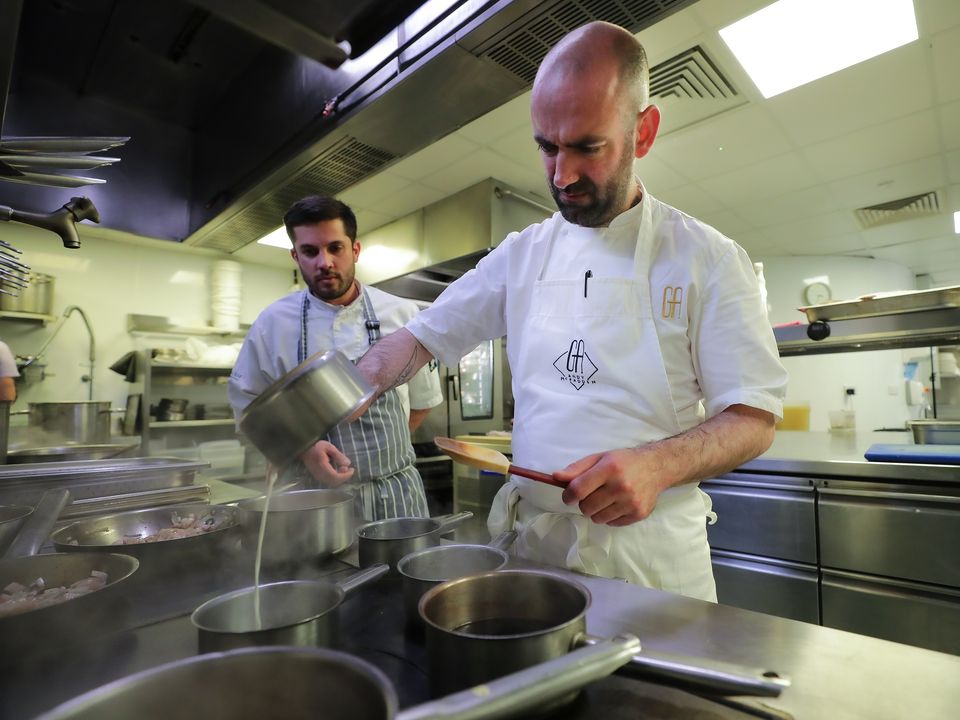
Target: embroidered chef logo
(575,366)
(672,299)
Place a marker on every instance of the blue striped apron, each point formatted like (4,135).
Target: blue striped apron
(378,444)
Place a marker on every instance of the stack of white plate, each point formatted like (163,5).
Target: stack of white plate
(225,294)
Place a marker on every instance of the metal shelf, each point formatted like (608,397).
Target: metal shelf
(26,316)
(159,325)
(921,328)
(160,424)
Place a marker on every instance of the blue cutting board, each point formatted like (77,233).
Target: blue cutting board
(930,454)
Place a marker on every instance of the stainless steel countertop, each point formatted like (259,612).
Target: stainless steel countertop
(840,455)
(835,674)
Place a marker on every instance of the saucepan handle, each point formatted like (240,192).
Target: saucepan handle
(516,694)
(451,522)
(698,675)
(363,577)
(504,540)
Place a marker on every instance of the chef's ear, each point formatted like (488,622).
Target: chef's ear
(648,122)
(356,250)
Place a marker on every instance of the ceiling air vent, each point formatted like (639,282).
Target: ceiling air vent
(894,211)
(520,49)
(691,74)
(337,168)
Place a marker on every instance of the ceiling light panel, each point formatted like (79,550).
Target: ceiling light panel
(793,42)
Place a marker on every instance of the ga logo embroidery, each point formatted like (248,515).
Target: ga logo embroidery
(575,366)
(672,299)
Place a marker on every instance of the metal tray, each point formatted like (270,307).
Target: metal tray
(936,432)
(890,303)
(25,484)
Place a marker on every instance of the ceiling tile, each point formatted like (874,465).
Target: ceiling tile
(520,147)
(953,166)
(837,244)
(856,97)
(890,143)
(776,176)
(368,220)
(746,135)
(656,175)
(808,202)
(438,155)
(497,123)
(728,222)
(890,183)
(409,198)
(946,60)
(475,167)
(923,228)
(915,253)
(950,125)
(934,16)
(691,199)
(720,14)
(674,34)
(799,232)
(369,192)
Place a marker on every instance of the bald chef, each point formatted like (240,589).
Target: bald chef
(641,354)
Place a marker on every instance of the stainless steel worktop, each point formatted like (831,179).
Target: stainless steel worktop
(840,455)
(835,674)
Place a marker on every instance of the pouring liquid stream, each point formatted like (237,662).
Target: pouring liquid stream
(271,479)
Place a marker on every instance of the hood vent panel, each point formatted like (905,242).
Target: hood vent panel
(908,208)
(522,48)
(337,168)
(690,74)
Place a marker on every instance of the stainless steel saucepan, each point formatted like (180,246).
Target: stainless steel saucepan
(387,541)
(301,407)
(302,526)
(284,682)
(483,626)
(292,612)
(427,568)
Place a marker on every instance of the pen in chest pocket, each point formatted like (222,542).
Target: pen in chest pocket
(586,276)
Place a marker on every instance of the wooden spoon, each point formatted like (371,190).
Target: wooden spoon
(489,459)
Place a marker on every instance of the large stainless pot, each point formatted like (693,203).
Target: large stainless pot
(303,525)
(387,541)
(37,297)
(483,626)
(301,407)
(104,610)
(293,612)
(84,423)
(165,560)
(427,568)
(283,683)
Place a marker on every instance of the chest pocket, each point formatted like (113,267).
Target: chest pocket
(596,298)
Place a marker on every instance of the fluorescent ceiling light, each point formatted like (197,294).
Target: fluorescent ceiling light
(956,222)
(278,238)
(386,258)
(792,42)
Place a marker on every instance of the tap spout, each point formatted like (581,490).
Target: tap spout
(62,222)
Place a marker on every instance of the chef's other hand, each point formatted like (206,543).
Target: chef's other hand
(328,466)
(619,487)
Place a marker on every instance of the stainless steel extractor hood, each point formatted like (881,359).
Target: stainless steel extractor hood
(233,117)
(452,235)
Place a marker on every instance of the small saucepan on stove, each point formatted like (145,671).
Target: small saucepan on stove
(427,568)
(285,682)
(292,612)
(483,626)
(387,541)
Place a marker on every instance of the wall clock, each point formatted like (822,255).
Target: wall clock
(817,293)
